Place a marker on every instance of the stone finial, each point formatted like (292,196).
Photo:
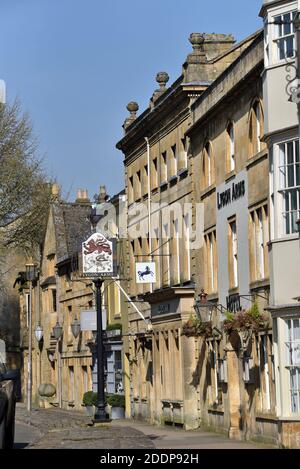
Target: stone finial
(197,41)
(133,108)
(162,79)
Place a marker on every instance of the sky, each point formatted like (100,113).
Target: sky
(74,65)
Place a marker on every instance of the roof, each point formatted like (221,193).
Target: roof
(49,281)
(72,227)
(177,86)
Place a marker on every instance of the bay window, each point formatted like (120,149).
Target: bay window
(284,35)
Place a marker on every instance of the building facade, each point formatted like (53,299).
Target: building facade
(234,371)
(282,137)
(60,296)
(159,192)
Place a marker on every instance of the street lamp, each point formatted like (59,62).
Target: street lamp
(30,275)
(57,332)
(39,333)
(75,327)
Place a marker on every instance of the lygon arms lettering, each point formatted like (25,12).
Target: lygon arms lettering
(230,195)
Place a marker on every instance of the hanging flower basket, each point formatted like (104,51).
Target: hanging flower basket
(194,327)
(245,323)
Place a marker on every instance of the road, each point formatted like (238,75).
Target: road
(24,435)
(125,434)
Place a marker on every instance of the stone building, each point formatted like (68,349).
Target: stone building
(60,295)
(281,96)
(158,174)
(233,373)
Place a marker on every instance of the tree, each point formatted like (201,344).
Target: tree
(25,193)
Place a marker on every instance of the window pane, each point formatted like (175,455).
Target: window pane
(296,329)
(277,21)
(281,49)
(289,44)
(294,216)
(294,200)
(297,169)
(290,152)
(287,24)
(286,220)
(287,202)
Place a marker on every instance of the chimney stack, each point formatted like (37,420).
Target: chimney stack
(82,197)
(206,47)
(55,190)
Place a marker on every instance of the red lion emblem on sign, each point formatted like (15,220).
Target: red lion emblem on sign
(98,246)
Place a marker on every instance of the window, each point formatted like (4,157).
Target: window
(163,172)
(186,258)
(130,190)
(289,175)
(293,362)
(176,252)
(234,254)
(218,374)
(259,237)
(256,129)
(173,162)
(231,147)
(284,35)
(72,384)
(54,301)
(211,262)
(207,165)
(154,173)
(248,369)
(166,254)
(183,154)
(145,180)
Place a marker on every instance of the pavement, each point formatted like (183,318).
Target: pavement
(55,428)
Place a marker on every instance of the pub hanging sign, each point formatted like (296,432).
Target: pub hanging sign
(99,256)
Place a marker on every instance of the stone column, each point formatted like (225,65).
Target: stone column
(190,383)
(234,396)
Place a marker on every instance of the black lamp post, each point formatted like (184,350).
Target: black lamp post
(57,332)
(30,275)
(100,414)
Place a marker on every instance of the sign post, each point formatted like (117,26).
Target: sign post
(98,262)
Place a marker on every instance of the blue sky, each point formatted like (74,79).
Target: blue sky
(75,64)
